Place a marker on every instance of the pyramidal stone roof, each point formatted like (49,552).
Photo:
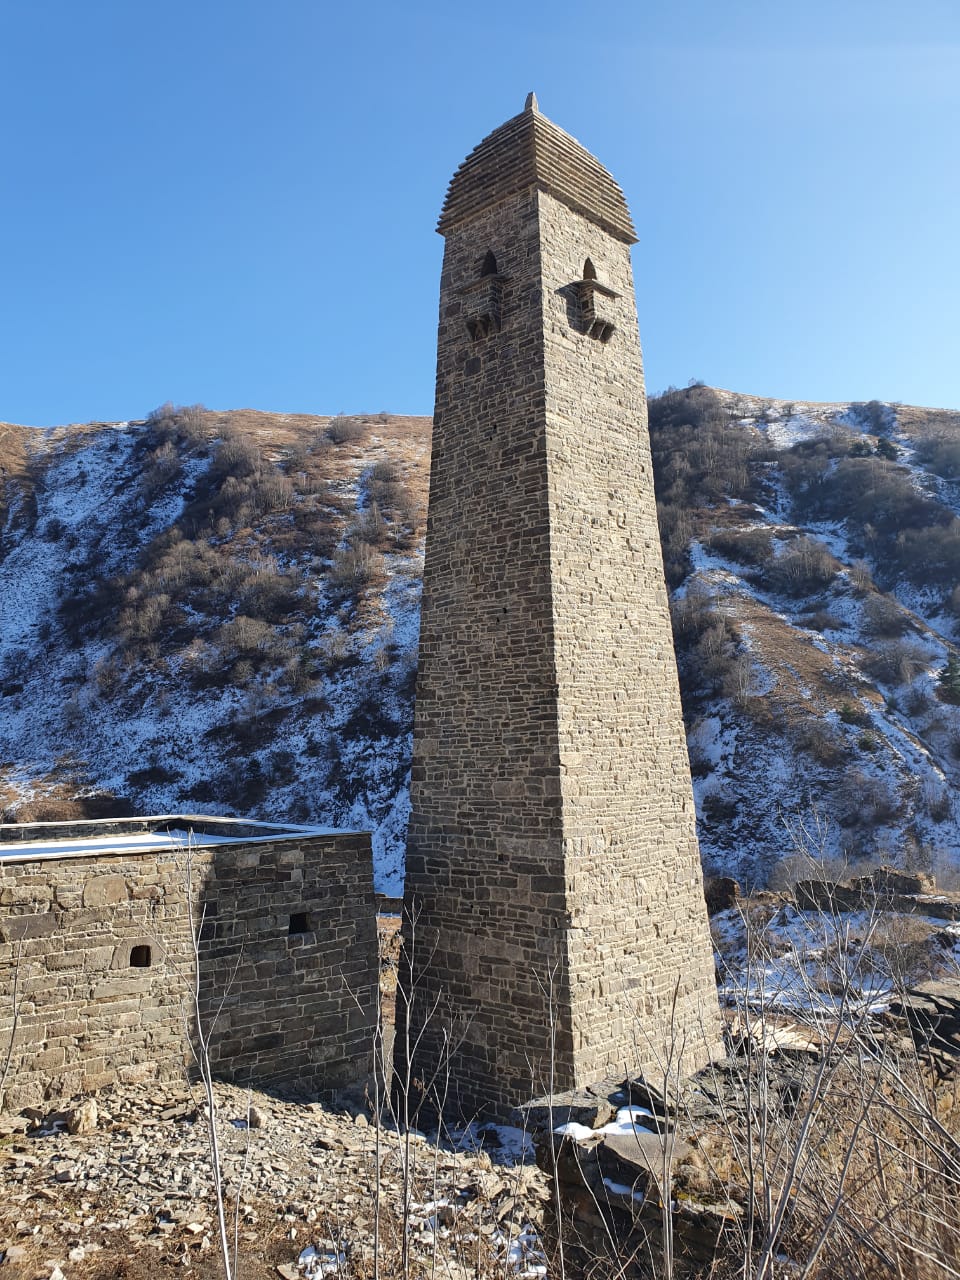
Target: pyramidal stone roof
(531,151)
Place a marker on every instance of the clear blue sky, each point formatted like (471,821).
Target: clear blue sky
(233,201)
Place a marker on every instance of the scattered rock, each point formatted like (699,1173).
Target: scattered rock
(721,893)
(593,1106)
(82,1119)
(138,1180)
(644,1093)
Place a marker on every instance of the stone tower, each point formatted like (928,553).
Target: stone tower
(555,926)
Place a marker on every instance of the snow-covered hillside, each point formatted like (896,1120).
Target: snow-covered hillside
(186,653)
(816,609)
(219,612)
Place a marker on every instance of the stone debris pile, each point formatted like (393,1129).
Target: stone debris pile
(128,1176)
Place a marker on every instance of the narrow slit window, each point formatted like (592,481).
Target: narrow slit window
(298,924)
(141,956)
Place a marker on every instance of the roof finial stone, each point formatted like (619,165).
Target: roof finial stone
(531,103)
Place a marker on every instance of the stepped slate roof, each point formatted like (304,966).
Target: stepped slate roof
(530,150)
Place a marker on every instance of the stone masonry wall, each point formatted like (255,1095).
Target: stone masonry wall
(554,903)
(96,965)
(637,933)
(484,873)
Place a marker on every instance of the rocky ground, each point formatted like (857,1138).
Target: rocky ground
(130,1193)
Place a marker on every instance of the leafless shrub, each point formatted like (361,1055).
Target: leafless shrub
(746,546)
(866,800)
(193,422)
(896,662)
(936,800)
(107,678)
(941,455)
(272,597)
(822,620)
(676,531)
(245,635)
(884,616)
(820,742)
(163,468)
(740,681)
(805,566)
(369,526)
(336,650)
(851,1172)
(355,566)
(385,472)
(273,493)
(917,702)
(873,416)
(235,456)
(861,579)
(144,617)
(343,430)
(179,424)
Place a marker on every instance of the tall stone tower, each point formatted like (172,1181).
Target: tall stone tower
(555,928)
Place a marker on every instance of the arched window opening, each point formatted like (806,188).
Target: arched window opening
(595,315)
(482,298)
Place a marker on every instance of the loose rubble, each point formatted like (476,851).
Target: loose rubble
(122,1186)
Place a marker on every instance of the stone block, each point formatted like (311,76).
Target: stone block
(36,925)
(105,891)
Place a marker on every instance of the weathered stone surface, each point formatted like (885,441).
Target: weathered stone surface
(103,981)
(555,925)
(104,891)
(885,888)
(593,1106)
(931,1010)
(641,1157)
(82,1119)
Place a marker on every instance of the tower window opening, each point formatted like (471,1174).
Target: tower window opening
(298,924)
(489,267)
(589,270)
(141,956)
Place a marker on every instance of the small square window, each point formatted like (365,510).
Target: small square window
(140,956)
(298,923)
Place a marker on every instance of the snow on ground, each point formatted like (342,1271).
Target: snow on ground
(346,772)
(785,432)
(349,754)
(627,1121)
(802,961)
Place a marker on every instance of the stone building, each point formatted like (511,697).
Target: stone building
(555,927)
(97,921)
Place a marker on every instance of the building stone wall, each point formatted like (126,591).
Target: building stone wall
(637,935)
(555,925)
(96,962)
